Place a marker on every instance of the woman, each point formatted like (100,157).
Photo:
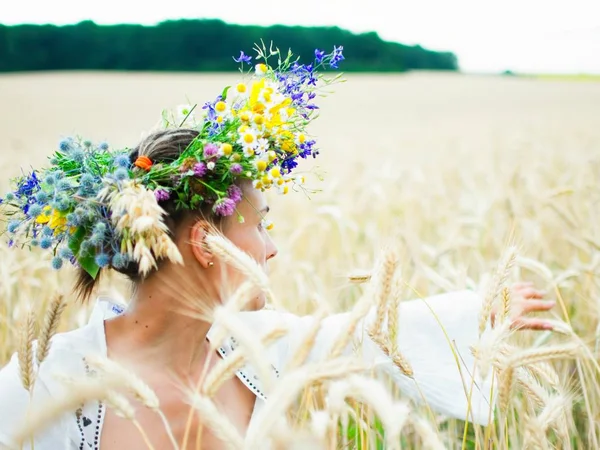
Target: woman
(149,213)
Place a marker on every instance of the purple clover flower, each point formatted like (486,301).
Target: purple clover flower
(199,169)
(224,207)
(243,58)
(211,150)
(161,195)
(234,193)
(236,169)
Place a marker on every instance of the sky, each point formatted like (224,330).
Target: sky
(526,36)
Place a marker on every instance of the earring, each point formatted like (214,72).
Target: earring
(210,264)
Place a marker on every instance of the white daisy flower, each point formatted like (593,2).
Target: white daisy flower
(262,146)
(210,165)
(248,140)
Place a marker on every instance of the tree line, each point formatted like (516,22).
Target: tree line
(197,45)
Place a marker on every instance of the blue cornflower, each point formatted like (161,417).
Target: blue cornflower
(103,146)
(13,225)
(35,210)
(243,58)
(122,161)
(336,56)
(121,174)
(65,253)
(57,263)
(42,197)
(102,259)
(319,55)
(46,242)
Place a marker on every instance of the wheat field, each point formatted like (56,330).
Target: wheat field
(450,168)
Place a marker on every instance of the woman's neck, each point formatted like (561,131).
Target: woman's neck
(152,331)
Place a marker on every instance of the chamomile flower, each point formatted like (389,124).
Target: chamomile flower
(184,112)
(262,146)
(248,139)
(260,69)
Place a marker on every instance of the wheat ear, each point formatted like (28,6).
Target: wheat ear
(48,330)
(25,353)
(498,281)
(226,367)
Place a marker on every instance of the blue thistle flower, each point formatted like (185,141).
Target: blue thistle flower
(42,197)
(73,220)
(59,175)
(121,174)
(47,231)
(100,228)
(65,253)
(34,243)
(63,185)
(87,181)
(10,197)
(57,263)
(78,155)
(13,225)
(103,146)
(119,260)
(122,161)
(87,143)
(102,259)
(85,247)
(54,161)
(96,239)
(46,242)
(50,179)
(65,145)
(35,210)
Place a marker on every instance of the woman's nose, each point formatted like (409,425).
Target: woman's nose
(271,248)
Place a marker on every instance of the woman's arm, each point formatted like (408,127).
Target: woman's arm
(434,336)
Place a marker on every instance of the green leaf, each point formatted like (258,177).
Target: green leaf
(87,262)
(224,93)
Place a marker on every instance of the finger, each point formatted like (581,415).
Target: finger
(531,324)
(528,293)
(537,305)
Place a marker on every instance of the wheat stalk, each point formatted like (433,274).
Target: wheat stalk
(218,424)
(226,367)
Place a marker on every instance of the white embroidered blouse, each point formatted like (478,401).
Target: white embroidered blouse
(438,379)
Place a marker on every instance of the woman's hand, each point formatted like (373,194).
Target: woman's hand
(525,299)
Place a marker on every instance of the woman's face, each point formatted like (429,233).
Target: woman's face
(251,236)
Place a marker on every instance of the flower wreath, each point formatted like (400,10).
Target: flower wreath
(97,208)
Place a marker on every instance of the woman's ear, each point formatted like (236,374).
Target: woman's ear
(200,250)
